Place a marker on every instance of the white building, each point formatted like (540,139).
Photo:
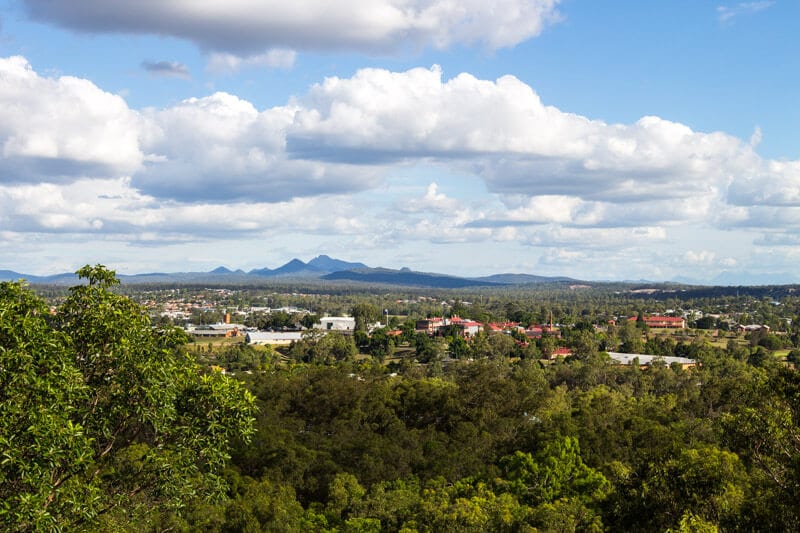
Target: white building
(647,360)
(274,338)
(336,323)
(215,330)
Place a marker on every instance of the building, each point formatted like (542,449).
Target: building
(215,330)
(499,327)
(645,361)
(536,331)
(561,351)
(272,338)
(468,327)
(336,323)
(430,326)
(674,322)
(748,328)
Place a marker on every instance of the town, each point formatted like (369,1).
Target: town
(461,326)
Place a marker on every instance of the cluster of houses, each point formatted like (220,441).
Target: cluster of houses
(468,328)
(437,325)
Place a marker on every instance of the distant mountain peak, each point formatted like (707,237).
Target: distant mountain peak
(261,271)
(221,270)
(406,277)
(327,264)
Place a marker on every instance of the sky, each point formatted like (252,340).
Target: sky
(618,140)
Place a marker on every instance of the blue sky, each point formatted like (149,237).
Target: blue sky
(614,140)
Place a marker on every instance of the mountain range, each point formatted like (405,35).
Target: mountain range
(321,267)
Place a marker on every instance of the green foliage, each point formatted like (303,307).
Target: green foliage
(691,523)
(428,349)
(707,482)
(584,343)
(630,336)
(380,345)
(458,348)
(707,322)
(493,346)
(365,314)
(556,472)
(344,495)
(44,446)
(321,347)
(101,413)
(759,357)
(765,432)
(770,341)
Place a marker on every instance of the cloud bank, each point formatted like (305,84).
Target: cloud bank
(250,27)
(77,159)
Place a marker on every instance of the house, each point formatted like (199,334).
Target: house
(272,338)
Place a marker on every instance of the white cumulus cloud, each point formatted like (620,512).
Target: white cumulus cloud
(433,200)
(221,147)
(57,128)
(501,131)
(246,27)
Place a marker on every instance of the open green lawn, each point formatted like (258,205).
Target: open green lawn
(216,341)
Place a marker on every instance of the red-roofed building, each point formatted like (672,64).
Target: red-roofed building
(562,351)
(498,327)
(536,331)
(430,325)
(470,327)
(663,321)
(433,326)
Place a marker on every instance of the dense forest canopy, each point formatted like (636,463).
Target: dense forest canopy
(110,421)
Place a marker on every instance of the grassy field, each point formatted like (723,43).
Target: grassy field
(215,342)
